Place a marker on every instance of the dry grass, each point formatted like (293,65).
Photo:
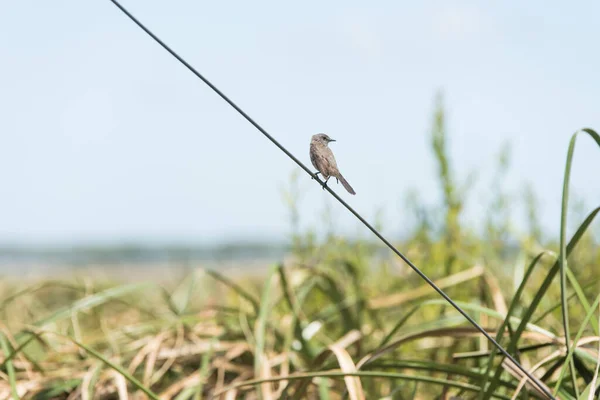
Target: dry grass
(300,332)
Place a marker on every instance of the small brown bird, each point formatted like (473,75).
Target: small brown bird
(323,160)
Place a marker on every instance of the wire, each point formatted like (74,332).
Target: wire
(538,383)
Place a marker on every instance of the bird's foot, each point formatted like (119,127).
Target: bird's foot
(316,173)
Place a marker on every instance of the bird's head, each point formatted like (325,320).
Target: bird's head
(322,138)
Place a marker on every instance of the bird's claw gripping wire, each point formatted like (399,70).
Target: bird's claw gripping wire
(324,183)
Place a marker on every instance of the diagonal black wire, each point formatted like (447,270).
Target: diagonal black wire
(541,386)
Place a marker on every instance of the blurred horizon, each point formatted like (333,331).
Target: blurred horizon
(109,141)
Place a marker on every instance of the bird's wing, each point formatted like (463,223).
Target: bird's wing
(313,158)
(330,160)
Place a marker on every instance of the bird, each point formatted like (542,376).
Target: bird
(323,160)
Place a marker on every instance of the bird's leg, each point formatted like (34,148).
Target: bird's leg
(325,183)
(316,173)
(337,180)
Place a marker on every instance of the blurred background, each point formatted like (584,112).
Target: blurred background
(113,153)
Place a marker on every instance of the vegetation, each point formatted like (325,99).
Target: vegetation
(335,320)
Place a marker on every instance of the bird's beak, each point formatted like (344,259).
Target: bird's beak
(332,140)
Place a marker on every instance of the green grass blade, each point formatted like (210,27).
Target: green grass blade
(139,385)
(563,244)
(399,325)
(94,379)
(235,287)
(204,371)
(90,302)
(527,315)
(581,296)
(585,395)
(338,298)
(10,369)
(34,288)
(513,304)
(59,389)
(294,304)
(186,393)
(261,323)
(555,307)
(569,358)
(20,348)
(179,299)
(434,367)
(363,374)
(323,389)
(589,392)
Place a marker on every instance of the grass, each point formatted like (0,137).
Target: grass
(334,321)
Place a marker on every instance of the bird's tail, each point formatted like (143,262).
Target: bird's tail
(346,185)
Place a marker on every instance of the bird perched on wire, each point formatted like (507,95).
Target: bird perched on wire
(323,160)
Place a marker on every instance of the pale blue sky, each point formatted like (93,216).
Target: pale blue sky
(106,137)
